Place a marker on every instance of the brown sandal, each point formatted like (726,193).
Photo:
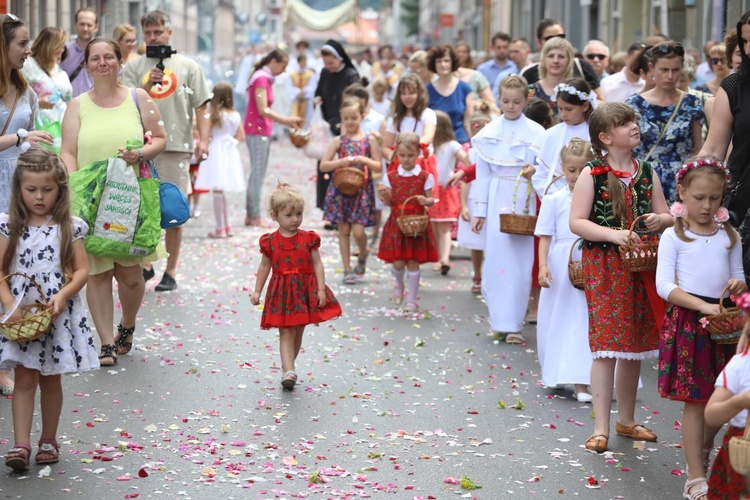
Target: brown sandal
(597,443)
(636,431)
(18,457)
(49,452)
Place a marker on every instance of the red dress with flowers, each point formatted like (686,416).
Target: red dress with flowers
(292,295)
(621,321)
(394,245)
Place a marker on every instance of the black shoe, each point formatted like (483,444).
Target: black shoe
(331,226)
(167,284)
(148,274)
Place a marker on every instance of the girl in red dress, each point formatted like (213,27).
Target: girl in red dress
(448,152)
(609,194)
(405,252)
(297,294)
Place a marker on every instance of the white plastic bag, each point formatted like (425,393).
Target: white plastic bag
(320,135)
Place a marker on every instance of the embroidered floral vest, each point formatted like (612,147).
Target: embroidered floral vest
(637,197)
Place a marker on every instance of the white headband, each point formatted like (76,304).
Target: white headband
(335,52)
(590,97)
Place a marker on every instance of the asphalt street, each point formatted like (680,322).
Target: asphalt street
(389,406)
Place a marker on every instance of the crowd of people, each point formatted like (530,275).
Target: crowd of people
(538,163)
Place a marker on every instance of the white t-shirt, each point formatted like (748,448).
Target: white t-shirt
(410,124)
(445,158)
(700,267)
(736,378)
(384,108)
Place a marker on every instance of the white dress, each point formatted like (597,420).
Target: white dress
(466,237)
(562,323)
(547,149)
(69,346)
(502,149)
(23,117)
(222,170)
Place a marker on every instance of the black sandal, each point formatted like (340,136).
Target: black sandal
(108,351)
(123,333)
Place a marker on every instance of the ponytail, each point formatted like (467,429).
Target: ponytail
(274,55)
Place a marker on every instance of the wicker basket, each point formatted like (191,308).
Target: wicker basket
(349,180)
(726,327)
(299,137)
(36,321)
(520,224)
(575,268)
(739,452)
(640,256)
(412,225)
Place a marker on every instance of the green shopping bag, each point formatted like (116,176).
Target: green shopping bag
(55,130)
(121,209)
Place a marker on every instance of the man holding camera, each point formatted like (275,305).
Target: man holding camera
(179,89)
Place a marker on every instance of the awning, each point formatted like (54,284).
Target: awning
(321,20)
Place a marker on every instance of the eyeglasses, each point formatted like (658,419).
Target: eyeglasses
(665,50)
(717,60)
(591,57)
(548,38)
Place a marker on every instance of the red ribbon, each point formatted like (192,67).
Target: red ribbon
(294,270)
(600,170)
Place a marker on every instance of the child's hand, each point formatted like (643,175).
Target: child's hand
(255,298)
(478,224)
(58,304)
(465,215)
(545,277)
(623,237)
(527,171)
(455,178)
(322,299)
(736,286)
(653,223)
(709,309)
(16,316)
(422,200)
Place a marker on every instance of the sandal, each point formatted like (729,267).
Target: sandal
(514,338)
(350,278)
(217,234)
(398,295)
(228,231)
(691,493)
(18,457)
(410,307)
(444,269)
(123,333)
(49,452)
(288,380)
(636,431)
(476,285)
(597,443)
(108,351)
(359,269)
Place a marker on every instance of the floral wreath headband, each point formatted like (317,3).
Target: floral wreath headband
(563,87)
(702,162)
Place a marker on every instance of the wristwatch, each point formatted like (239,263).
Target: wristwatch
(22,134)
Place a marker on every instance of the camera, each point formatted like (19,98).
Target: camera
(160,52)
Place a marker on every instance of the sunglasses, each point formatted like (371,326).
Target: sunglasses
(591,57)
(717,60)
(12,17)
(665,50)
(548,38)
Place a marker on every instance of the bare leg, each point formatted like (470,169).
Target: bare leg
(287,348)
(130,290)
(443,241)
(5,380)
(477,259)
(534,302)
(602,385)
(627,375)
(23,403)
(360,239)
(173,240)
(101,305)
(52,403)
(299,332)
(344,235)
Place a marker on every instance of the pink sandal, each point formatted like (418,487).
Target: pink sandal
(228,231)
(217,234)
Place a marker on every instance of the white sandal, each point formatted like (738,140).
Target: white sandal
(698,494)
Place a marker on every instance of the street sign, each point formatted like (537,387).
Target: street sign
(253,36)
(446,20)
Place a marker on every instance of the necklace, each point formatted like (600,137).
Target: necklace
(707,235)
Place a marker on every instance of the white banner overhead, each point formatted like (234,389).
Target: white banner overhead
(321,20)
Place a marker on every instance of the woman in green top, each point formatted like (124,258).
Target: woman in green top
(97,125)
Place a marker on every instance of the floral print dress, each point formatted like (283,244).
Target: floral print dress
(677,144)
(68,347)
(360,207)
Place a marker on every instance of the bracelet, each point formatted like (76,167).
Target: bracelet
(22,134)
(140,156)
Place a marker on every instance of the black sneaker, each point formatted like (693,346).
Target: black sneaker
(167,284)
(148,274)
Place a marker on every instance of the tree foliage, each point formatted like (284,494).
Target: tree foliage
(410,16)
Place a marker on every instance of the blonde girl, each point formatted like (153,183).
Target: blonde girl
(410,114)
(351,213)
(623,306)
(40,218)
(562,324)
(380,90)
(444,213)
(297,294)
(222,170)
(698,258)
